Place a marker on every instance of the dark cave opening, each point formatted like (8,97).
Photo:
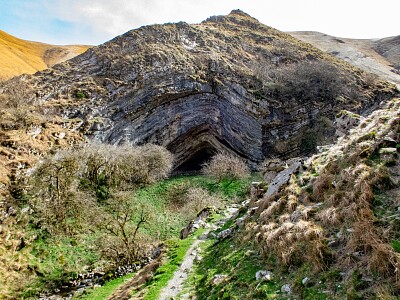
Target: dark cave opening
(194,164)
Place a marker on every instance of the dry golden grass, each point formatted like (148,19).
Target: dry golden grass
(19,56)
(343,192)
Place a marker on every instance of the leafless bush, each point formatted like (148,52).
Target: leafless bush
(16,106)
(56,198)
(119,167)
(177,194)
(370,79)
(65,185)
(121,220)
(226,166)
(197,199)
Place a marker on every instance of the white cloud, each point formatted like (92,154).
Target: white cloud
(96,21)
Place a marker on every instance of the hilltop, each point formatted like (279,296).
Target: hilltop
(18,56)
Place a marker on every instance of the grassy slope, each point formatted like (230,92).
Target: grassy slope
(106,290)
(358,223)
(240,262)
(19,56)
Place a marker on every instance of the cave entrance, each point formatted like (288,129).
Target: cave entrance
(194,163)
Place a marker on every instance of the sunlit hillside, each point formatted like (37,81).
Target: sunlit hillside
(19,56)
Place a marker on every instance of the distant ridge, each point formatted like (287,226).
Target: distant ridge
(18,56)
(378,56)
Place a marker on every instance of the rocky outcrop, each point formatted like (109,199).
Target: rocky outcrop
(199,89)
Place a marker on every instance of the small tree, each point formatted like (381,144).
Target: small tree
(226,166)
(121,221)
(55,195)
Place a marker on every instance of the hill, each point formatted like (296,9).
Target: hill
(19,56)
(229,84)
(379,56)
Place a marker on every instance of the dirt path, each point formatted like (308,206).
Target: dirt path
(175,285)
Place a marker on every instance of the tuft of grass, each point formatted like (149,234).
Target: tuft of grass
(396,245)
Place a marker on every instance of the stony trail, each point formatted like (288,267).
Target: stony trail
(176,284)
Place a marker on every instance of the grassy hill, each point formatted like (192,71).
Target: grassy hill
(19,56)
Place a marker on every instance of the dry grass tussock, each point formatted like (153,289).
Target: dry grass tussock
(334,203)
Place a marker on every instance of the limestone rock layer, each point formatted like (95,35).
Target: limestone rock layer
(198,89)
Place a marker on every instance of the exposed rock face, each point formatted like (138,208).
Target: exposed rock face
(199,89)
(346,120)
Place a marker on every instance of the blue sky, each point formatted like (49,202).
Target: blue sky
(96,21)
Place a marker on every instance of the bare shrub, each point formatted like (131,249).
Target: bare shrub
(309,80)
(121,220)
(123,167)
(226,166)
(64,185)
(16,106)
(55,191)
(197,199)
(177,194)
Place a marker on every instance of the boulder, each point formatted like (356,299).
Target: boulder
(218,278)
(282,179)
(199,221)
(345,120)
(264,275)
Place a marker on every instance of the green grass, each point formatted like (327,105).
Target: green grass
(237,260)
(104,291)
(58,258)
(166,223)
(396,245)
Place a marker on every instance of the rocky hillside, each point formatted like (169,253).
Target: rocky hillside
(19,56)
(335,215)
(378,56)
(325,226)
(229,83)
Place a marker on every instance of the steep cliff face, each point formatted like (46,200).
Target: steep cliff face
(229,83)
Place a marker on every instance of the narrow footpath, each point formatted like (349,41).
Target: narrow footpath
(176,284)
